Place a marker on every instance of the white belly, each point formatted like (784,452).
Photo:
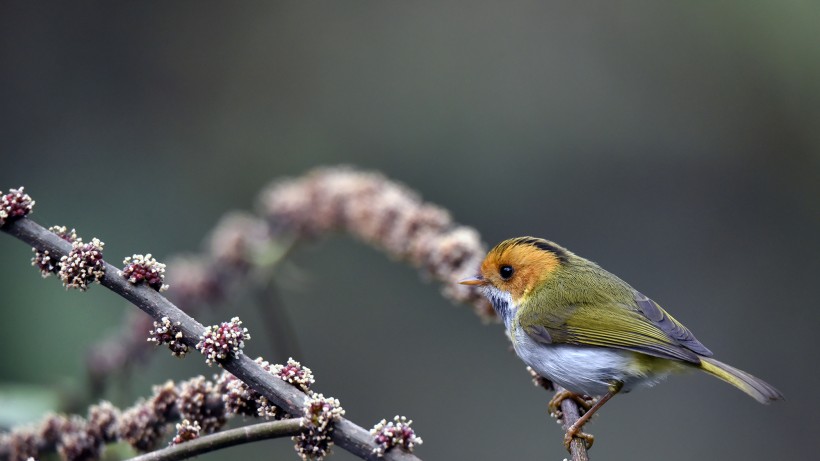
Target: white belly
(582,369)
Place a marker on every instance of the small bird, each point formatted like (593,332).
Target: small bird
(588,331)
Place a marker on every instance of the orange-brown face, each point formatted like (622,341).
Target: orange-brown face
(518,265)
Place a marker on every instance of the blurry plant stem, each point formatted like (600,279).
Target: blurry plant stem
(224,439)
(277,321)
(347,435)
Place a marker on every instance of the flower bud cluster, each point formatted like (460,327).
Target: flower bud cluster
(219,342)
(385,214)
(144,269)
(314,442)
(186,431)
(75,438)
(103,420)
(141,427)
(15,204)
(165,332)
(79,446)
(240,399)
(199,400)
(201,404)
(396,433)
(295,374)
(83,265)
(43,259)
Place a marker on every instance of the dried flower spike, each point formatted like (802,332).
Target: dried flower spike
(319,414)
(195,403)
(140,427)
(221,341)
(396,433)
(384,214)
(186,430)
(15,204)
(78,446)
(139,269)
(294,373)
(165,332)
(43,260)
(236,238)
(83,265)
(103,421)
(22,444)
(238,398)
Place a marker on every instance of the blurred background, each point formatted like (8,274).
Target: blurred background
(676,144)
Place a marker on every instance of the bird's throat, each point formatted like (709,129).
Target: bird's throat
(502,303)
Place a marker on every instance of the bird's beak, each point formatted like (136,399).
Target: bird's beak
(475,280)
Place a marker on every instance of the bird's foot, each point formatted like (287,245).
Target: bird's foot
(575,432)
(554,405)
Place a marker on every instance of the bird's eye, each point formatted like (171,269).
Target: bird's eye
(506,271)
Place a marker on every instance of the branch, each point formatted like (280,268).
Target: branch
(239,253)
(375,209)
(569,408)
(346,435)
(224,439)
(570,414)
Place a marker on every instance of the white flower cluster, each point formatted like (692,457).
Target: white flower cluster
(83,265)
(222,341)
(396,433)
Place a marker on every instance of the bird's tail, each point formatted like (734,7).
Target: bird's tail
(758,389)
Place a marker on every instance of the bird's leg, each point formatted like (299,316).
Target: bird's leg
(575,429)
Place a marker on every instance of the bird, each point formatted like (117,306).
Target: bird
(585,329)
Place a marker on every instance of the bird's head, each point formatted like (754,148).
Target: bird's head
(518,266)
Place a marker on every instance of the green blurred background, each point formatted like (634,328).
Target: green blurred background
(676,144)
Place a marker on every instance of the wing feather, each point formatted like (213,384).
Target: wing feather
(643,327)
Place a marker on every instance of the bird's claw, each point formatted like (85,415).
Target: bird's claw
(574,432)
(554,404)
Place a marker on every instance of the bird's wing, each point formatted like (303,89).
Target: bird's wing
(674,329)
(643,327)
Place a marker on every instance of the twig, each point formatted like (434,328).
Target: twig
(570,414)
(346,435)
(224,439)
(569,408)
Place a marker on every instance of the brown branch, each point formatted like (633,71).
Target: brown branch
(571,414)
(346,435)
(224,439)
(378,211)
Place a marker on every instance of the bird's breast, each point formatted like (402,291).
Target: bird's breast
(582,369)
